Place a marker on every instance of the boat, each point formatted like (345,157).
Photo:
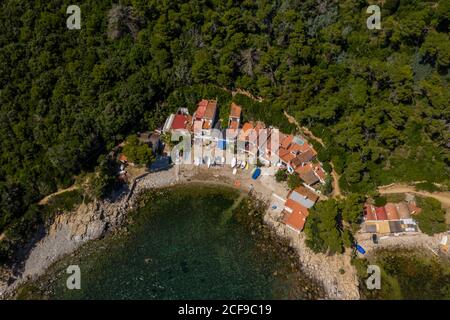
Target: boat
(233,162)
(256,173)
(234,171)
(360,249)
(244,163)
(208,161)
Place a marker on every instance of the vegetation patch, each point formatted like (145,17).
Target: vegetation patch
(406,274)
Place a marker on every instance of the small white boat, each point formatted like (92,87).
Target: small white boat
(234,171)
(197,161)
(208,161)
(244,163)
(233,162)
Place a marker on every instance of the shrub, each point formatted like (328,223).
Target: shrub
(427,186)
(431,218)
(281,175)
(294,181)
(380,201)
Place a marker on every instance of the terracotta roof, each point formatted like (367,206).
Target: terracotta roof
(123,158)
(201,109)
(307,193)
(369,212)
(259,125)
(297,217)
(286,141)
(318,170)
(391,211)
(211,108)
(246,130)
(413,208)
(305,147)
(206,125)
(198,125)
(304,169)
(380,213)
(306,156)
(285,155)
(403,210)
(309,177)
(296,148)
(235,111)
(180,121)
(295,163)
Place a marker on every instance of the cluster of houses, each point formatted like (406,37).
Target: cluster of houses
(272,148)
(392,218)
(291,152)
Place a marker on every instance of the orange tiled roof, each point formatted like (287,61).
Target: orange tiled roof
(201,109)
(206,125)
(246,130)
(319,172)
(297,218)
(304,169)
(285,155)
(198,125)
(123,158)
(295,206)
(286,141)
(307,193)
(210,109)
(235,111)
(391,211)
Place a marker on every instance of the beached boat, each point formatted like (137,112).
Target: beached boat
(233,162)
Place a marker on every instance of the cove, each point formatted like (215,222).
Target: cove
(191,241)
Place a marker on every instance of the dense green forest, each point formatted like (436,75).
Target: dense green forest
(378,98)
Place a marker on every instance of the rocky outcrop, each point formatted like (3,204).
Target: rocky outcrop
(92,221)
(336,273)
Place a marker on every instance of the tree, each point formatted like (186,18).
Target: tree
(322,228)
(431,218)
(281,175)
(136,152)
(294,181)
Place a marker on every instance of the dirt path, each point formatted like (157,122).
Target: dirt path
(47,198)
(443,197)
(336,188)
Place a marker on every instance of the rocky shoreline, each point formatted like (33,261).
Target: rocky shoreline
(94,220)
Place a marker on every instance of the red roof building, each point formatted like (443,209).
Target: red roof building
(391,211)
(180,121)
(295,215)
(380,213)
(369,212)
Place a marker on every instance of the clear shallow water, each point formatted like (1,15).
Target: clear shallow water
(187,242)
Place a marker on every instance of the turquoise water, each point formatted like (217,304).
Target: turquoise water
(188,242)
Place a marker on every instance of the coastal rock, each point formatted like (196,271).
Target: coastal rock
(92,221)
